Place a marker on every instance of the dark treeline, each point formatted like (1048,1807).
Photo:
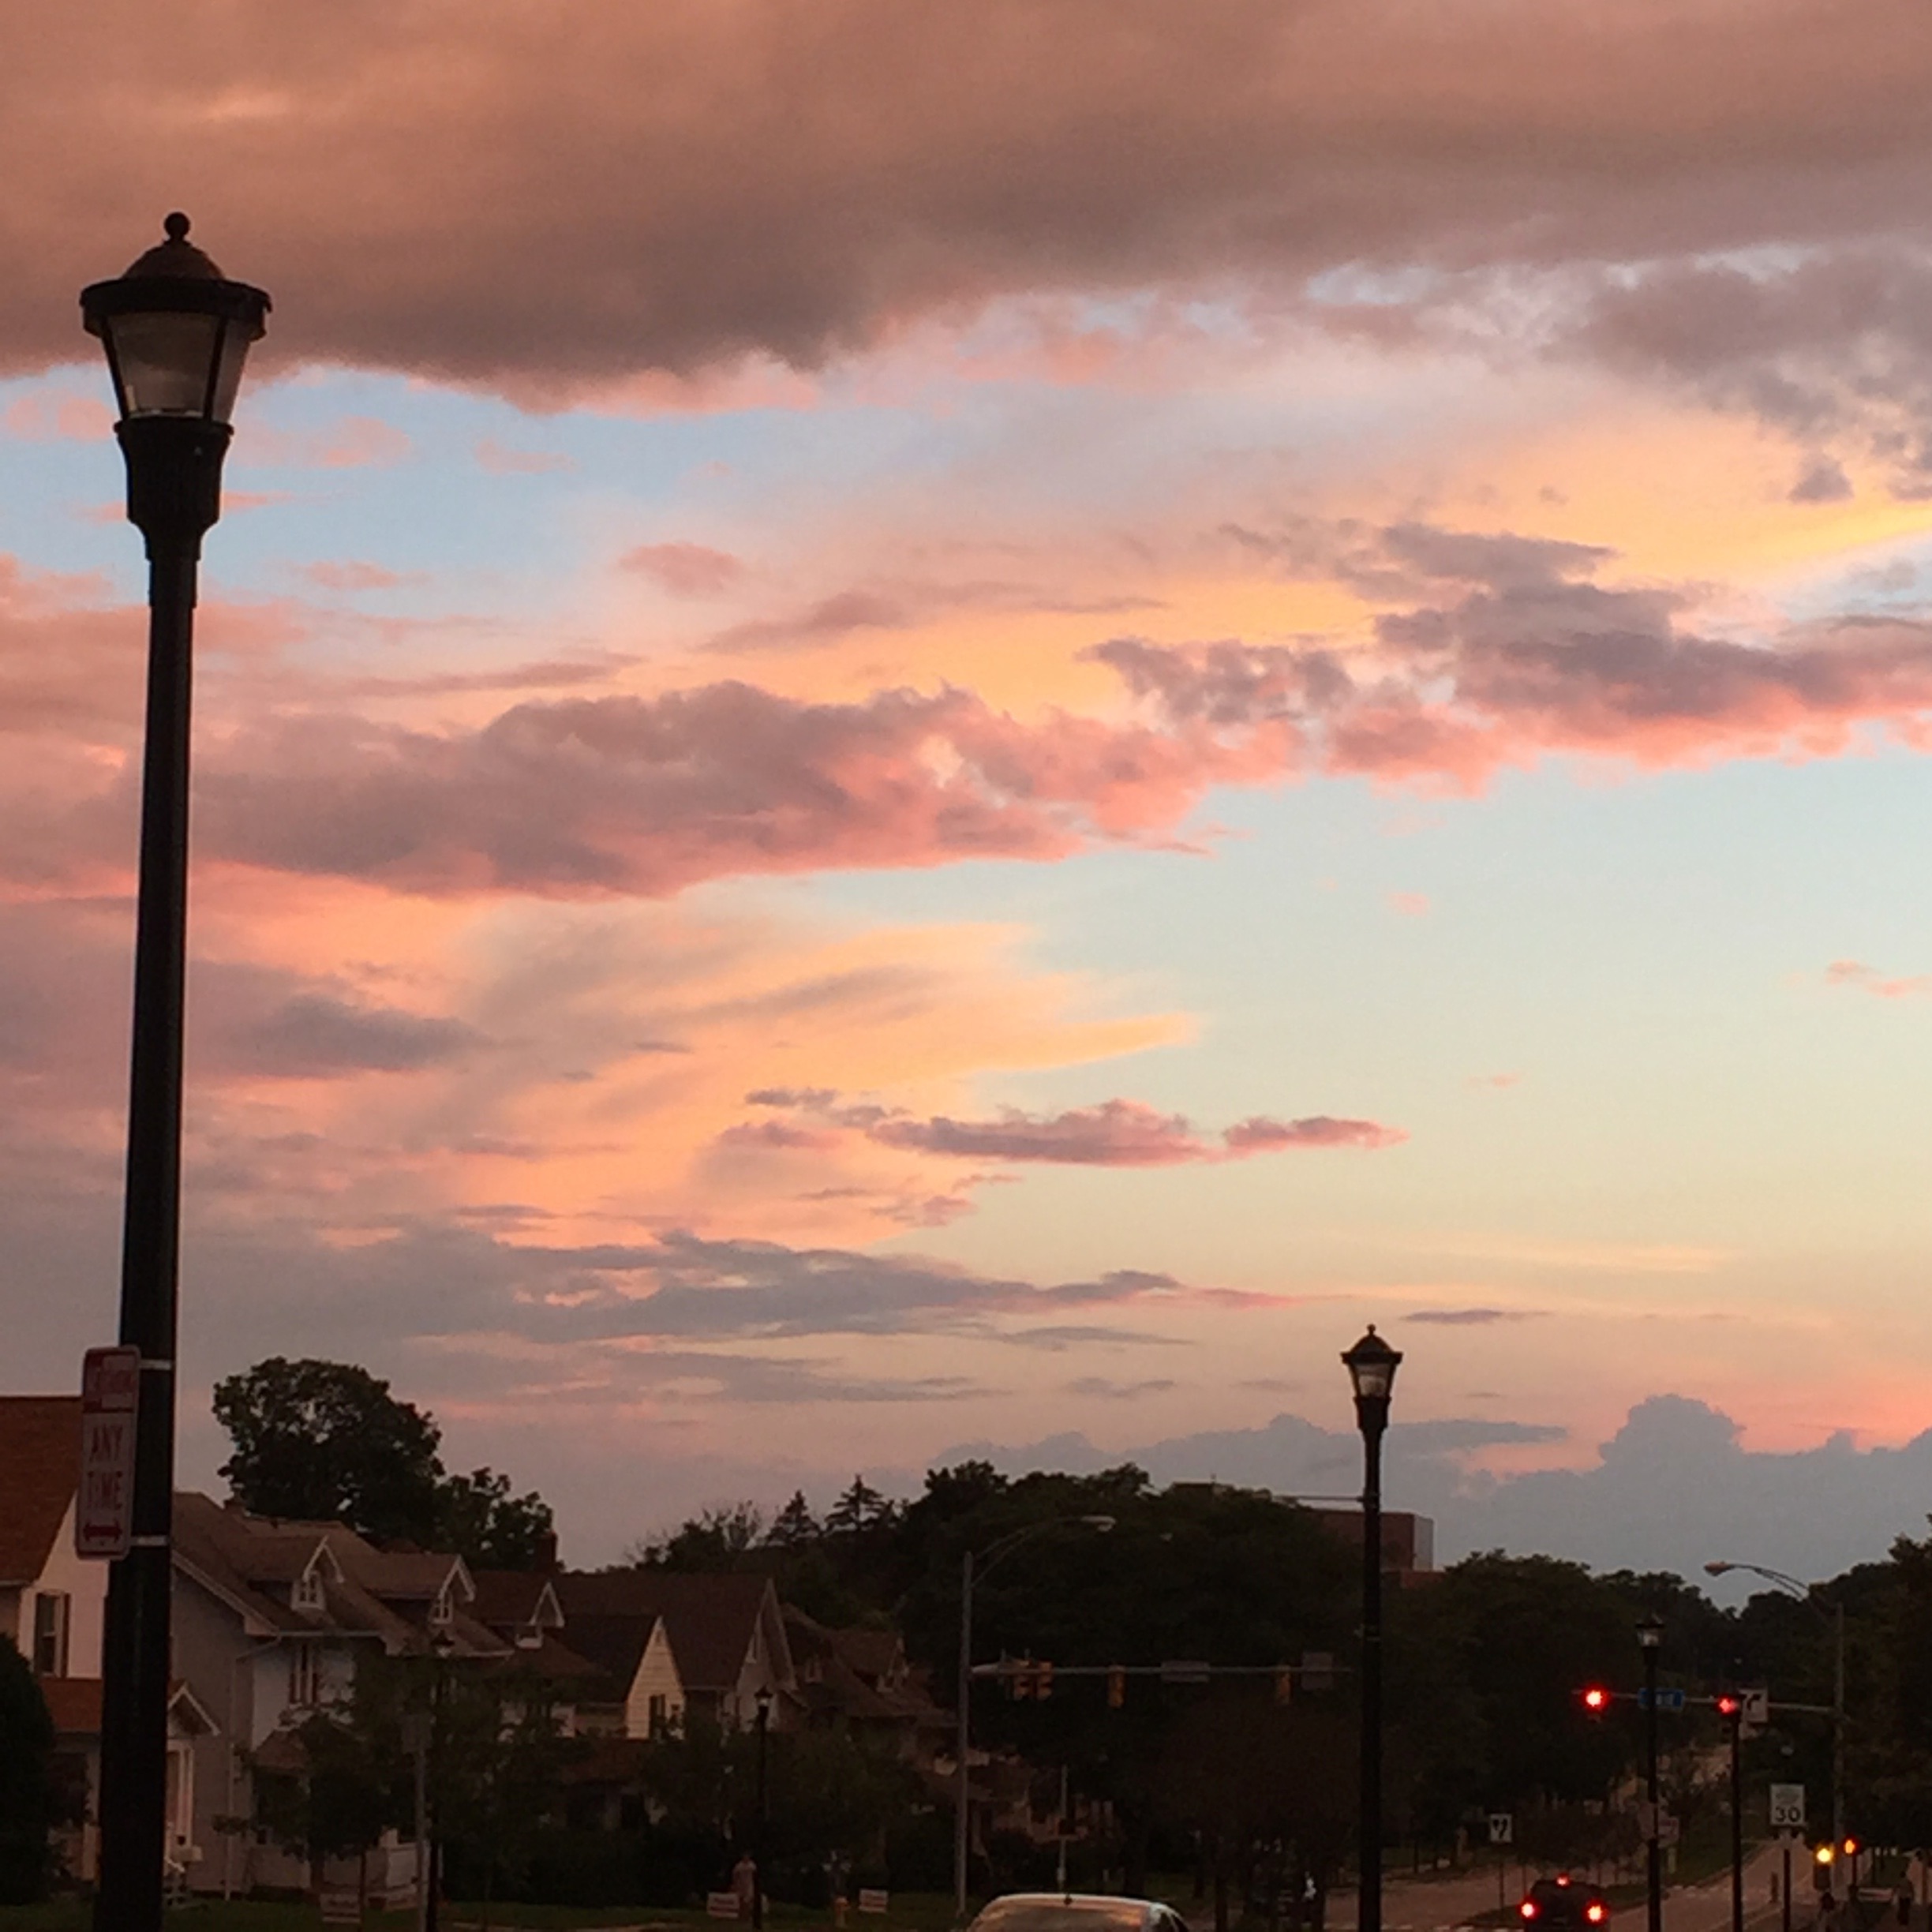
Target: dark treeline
(1487,1661)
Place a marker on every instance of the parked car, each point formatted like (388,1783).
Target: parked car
(1076,1911)
(1562,1904)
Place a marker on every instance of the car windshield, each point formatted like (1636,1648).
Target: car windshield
(1022,1915)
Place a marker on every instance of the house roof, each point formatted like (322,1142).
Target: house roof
(709,1620)
(255,1561)
(41,1465)
(508,1598)
(878,1656)
(831,1686)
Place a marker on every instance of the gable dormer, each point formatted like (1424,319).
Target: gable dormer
(309,1593)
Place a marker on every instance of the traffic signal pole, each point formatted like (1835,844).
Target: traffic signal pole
(1654,1848)
(1737,1815)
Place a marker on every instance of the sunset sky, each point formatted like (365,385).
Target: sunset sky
(937,726)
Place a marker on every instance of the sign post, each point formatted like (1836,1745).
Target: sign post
(1501,1835)
(110,1399)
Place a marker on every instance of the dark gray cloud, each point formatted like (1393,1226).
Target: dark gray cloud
(1349,152)
(1672,1489)
(312,1035)
(1113,1133)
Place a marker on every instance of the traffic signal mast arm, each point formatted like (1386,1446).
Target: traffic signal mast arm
(1597,1698)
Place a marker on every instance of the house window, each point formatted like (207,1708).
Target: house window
(52,1611)
(442,1610)
(307,1594)
(660,1714)
(304,1676)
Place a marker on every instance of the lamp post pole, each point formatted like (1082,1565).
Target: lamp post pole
(1650,1636)
(962,1796)
(1371,1364)
(176,334)
(758,1862)
(1808,1593)
(972,1570)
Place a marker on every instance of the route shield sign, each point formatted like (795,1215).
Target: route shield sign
(1787,1808)
(110,1399)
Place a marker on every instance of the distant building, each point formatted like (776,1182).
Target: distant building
(1408,1541)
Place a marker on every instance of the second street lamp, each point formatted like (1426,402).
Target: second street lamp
(1812,1594)
(1650,1636)
(973,1570)
(1371,1364)
(176,334)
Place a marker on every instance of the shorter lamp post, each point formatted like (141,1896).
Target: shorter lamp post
(973,1570)
(1371,1364)
(429,1853)
(1650,1636)
(757,1859)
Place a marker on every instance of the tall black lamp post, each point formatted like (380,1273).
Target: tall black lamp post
(1371,1364)
(1650,1636)
(758,1862)
(176,334)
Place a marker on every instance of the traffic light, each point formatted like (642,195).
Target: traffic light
(1043,1681)
(1729,1705)
(1851,1848)
(1596,1700)
(1284,1686)
(1116,1688)
(1021,1681)
(1822,1858)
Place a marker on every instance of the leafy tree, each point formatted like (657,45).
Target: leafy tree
(716,1539)
(860,1507)
(477,1517)
(26,1782)
(795,1524)
(327,1442)
(342,1796)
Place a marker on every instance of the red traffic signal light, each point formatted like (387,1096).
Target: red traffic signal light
(1596,1700)
(1729,1706)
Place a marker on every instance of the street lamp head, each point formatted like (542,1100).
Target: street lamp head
(1371,1364)
(1719,1569)
(176,331)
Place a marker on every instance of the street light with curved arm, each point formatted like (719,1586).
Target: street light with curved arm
(1809,1593)
(972,1568)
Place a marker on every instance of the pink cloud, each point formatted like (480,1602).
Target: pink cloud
(352,442)
(357,576)
(1410,904)
(501,461)
(1867,979)
(51,416)
(685,569)
(1263,1135)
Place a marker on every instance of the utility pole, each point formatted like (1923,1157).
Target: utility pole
(1650,1637)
